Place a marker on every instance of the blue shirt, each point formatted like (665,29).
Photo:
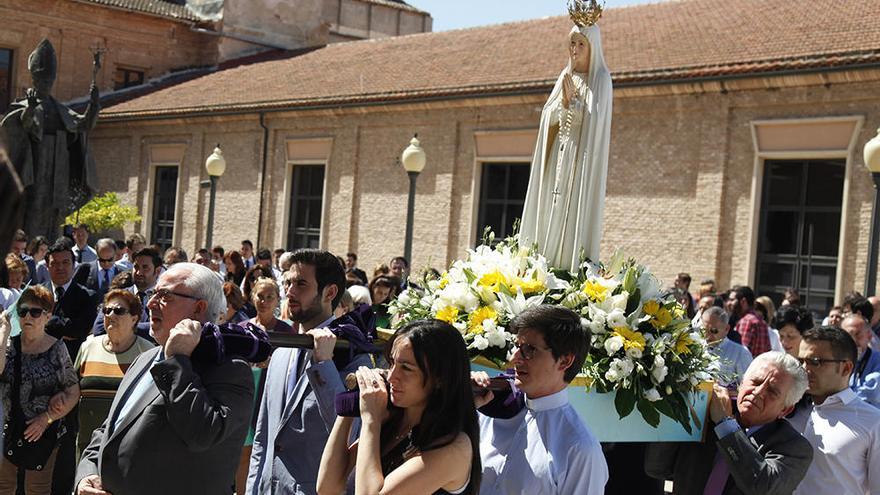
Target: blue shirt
(138,390)
(865,378)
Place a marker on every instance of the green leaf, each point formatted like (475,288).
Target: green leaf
(469,275)
(652,417)
(632,303)
(624,402)
(103,213)
(630,279)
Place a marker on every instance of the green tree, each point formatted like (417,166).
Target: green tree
(103,213)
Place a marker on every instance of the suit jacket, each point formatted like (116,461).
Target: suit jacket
(184,436)
(292,431)
(87,275)
(73,316)
(773,461)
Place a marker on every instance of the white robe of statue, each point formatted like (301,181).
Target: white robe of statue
(564,201)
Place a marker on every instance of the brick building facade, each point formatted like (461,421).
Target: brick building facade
(735,151)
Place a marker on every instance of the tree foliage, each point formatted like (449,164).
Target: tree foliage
(103,213)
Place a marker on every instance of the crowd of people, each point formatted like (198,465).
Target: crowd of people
(113,363)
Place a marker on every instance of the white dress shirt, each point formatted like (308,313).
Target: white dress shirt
(845,434)
(546,449)
(88,254)
(735,359)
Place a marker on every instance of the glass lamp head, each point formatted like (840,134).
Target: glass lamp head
(413,157)
(216,164)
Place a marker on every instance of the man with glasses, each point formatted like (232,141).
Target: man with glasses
(843,429)
(735,359)
(545,448)
(97,275)
(177,426)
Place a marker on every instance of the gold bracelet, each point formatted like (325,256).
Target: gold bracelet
(50,420)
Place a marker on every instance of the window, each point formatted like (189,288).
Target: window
(126,78)
(800,230)
(306,202)
(5,79)
(164,202)
(502,195)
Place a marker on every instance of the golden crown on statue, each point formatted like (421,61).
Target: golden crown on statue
(585,12)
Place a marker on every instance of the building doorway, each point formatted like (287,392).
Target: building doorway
(503,189)
(799,236)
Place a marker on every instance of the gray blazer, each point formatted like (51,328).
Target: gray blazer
(183,436)
(292,431)
(773,461)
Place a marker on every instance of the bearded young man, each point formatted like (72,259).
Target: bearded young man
(297,410)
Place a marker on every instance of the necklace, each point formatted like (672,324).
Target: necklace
(404,434)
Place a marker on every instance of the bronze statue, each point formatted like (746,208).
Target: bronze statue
(48,145)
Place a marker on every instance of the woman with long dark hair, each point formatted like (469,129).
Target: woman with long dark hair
(427,439)
(235,270)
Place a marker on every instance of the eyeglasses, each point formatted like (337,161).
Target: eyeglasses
(528,351)
(105,260)
(34,312)
(118,310)
(166,295)
(713,331)
(817,362)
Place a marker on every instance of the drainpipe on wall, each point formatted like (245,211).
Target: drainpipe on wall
(262,176)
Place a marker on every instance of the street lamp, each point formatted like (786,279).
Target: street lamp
(413,159)
(872,161)
(215,165)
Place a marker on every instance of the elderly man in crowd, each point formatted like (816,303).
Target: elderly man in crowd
(545,448)
(176,426)
(843,429)
(735,359)
(96,275)
(865,378)
(751,449)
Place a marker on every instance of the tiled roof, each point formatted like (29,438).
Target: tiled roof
(672,41)
(162,8)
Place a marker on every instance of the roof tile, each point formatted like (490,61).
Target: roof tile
(675,40)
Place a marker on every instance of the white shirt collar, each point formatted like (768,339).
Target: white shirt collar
(66,286)
(844,397)
(548,402)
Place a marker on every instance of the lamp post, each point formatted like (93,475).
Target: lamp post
(215,165)
(413,159)
(872,161)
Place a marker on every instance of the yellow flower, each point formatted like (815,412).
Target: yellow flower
(531,286)
(475,320)
(682,343)
(662,319)
(651,307)
(595,291)
(678,311)
(493,280)
(444,280)
(631,338)
(448,314)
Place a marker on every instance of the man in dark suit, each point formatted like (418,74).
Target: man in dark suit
(297,409)
(147,265)
(751,449)
(72,317)
(97,275)
(176,426)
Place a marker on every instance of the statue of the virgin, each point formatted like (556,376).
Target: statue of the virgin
(564,201)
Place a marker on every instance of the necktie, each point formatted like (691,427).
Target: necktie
(59,293)
(106,279)
(718,477)
(79,255)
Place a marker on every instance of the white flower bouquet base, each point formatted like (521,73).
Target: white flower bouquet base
(599,413)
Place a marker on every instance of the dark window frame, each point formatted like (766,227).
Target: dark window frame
(10,82)
(164,204)
(804,265)
(303,177)
(510,205)
(130,77)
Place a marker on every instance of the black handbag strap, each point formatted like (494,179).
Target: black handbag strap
(16,377)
